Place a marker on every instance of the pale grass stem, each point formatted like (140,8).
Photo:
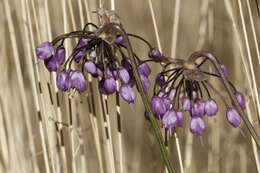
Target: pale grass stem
(253,31)
(250,59)
(118,116)
(27,18)
(175,27)
(255,150)
(58,108)
(155,25)
(20,81)
(93,115)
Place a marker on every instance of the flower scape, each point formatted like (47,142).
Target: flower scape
(181,90)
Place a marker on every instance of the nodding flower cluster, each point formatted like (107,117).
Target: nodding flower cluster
(99,53)
(182,86)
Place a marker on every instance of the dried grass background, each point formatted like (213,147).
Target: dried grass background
(30,145)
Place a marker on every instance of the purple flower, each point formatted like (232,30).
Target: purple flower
(110,85)
(44,50)
(167,103)
(78,81)
(60,55)
(145,82)
(186,104)
(211,107)
(233,117)
(155,54)
(79,55)
(63,81)
(127,93)
(197,125)
(199,108)
(115,74)
(101,88)
(144,69)
(180,117)
(172,94)
(82,52)
(158,106)
(90,67)
(124,75)
(170,119)
(51,64)
(160,80)
(241,100)
(224,70)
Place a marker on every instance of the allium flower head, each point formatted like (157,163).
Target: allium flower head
(158,106)
(170,119)
(78,81)
(90,67)
(180,117)
(124,75)
(160,80)
(155,54)
(197,126)
(44,50)
(144,69)
(63,81)
(110,85)
(199,108)
(241,100)
(211,107)
(233,117)
(127,93)
(186,104)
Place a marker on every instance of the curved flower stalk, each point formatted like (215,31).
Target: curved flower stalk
(183,88)
(101,53)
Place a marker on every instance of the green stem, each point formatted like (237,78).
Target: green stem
(215,62)
(155,126)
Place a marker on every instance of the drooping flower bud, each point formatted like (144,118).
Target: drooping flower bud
(51,64)
(44,50)
(78,81)
(60,55)
(172,94)
(90,67)
(82,52)
(124,75)
(160,80)
(241,100)
(199,108)
(197,125)
(144,69)
(233,117)
(155,54)
(110,85)
(180,116)
(167,103)
(186,104)
(63,81)
(127,93)
(158,106)
(211,107)
(170,119)
(145,82)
